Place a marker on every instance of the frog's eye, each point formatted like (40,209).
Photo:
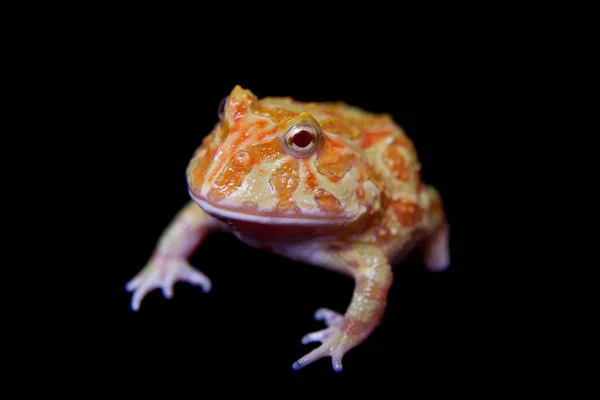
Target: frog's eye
(302,139)
(222,105)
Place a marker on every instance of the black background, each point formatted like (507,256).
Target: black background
(151,106)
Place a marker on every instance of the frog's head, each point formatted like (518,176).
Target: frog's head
(277,161)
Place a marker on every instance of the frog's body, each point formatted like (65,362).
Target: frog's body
(323,183)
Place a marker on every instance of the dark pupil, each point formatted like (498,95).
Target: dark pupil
(222,107)
(302,139)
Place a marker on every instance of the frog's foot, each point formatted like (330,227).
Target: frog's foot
(331,338)
(163,272)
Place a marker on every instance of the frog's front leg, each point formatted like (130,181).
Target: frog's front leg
(168,264)
(373,278)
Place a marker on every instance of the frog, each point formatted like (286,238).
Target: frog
(324,183)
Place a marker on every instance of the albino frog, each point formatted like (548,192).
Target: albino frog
(323,183)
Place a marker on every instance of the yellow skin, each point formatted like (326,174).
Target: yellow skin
(323,183)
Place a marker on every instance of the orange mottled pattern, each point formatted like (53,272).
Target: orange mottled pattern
(232,177)
(285,179)
(333,161)
(202,166)
(287,207)
(361,160)
(397,163)
(266,150)
(342,127)
(311,180)
(327,202)
(408,212)
(371,138)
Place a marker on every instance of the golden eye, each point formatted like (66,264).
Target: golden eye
(302,139)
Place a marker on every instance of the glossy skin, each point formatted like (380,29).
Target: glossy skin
(323,183)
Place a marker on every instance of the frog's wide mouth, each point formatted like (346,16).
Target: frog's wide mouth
(234,214)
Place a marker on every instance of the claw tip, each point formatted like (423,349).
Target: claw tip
(296,366)
(337,365)
(135,306)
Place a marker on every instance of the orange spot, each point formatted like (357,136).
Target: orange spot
(257,128)
(233,174)
(239,111)
(217,168)
(334,163)
(241,137)
(311,181)
(373,137)
(335,143)
(407,212)
(327,202)
(265,150)
(287,207)
(241,164)
(260,124)
(202,165)
(395,160)
(267,133)
(285,179)
(342,127)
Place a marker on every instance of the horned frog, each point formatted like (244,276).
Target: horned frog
(327,184)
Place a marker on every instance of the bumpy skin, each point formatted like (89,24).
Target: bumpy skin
(345,194)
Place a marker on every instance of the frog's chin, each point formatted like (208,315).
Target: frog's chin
(233,215)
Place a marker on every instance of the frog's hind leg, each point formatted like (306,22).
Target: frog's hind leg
(435,246)
(373,278)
